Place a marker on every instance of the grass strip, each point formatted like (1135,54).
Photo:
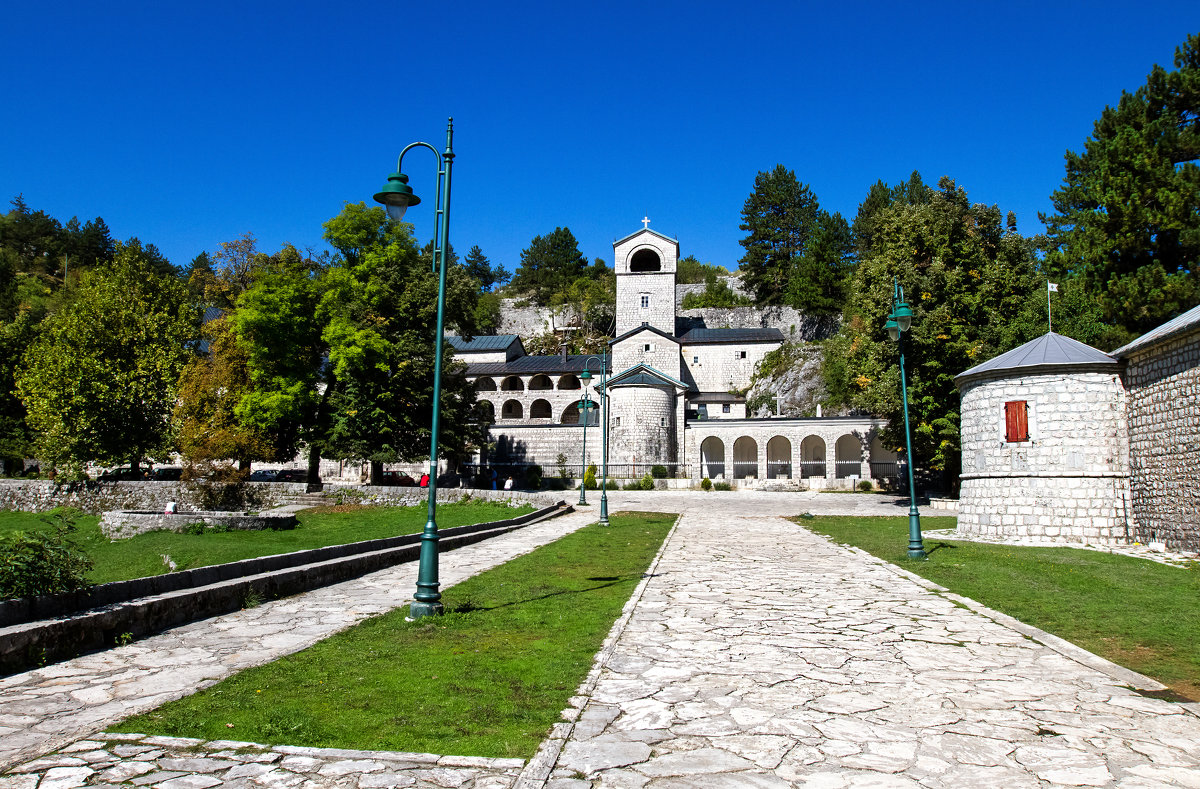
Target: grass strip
(1135,612)
(143,555)
(488,679)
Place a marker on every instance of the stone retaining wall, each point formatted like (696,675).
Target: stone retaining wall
(95,498)
(122,524)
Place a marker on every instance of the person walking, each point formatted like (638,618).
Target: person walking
(508,484)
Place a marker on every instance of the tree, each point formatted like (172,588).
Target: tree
(690,271)
(1127,218)
(100,382)
(211,388)
(479,267)
(549,265)
(781,215)
(818,280)
(201,278)
(87,246)
(379,314)
(966,278)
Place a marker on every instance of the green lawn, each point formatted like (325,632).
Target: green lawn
(487,680)
(141,556)
(1135,612)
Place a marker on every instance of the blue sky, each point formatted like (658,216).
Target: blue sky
(188,124)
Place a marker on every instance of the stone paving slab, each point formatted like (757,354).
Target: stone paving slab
(760,654)
(755,654)
(43,709)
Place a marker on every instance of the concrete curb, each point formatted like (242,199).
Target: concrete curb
(222,589)
(537,770)
(1060,645)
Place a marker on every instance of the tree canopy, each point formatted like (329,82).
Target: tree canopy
(549,265)
(796,254)
(100,381)
(1127,217)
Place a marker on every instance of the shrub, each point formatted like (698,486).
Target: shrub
(589,477)
(612,485)
(561,460)
(721,486)
(533,476)
(632,485)
(646,483)
(658,472)
(34,563)
(865,486)
(706,484)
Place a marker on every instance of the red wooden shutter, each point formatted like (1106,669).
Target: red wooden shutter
(1016,421)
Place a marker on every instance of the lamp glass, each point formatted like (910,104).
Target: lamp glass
(904,316)
(396,212)
(893,329)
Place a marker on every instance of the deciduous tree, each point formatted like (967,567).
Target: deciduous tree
(100,382)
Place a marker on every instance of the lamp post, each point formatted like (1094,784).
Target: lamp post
(397,196)
(604,428)
(897,324)
(584,406)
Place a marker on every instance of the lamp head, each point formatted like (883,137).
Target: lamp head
(903,315)
(585,376)
(893,328)
(396,196)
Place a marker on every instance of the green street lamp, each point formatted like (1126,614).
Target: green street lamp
(897,324)
(584,407)
(604,434)
(397,196)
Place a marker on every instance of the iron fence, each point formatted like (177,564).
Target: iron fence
(779,469)
(848,468)
(745,468)
(812,468)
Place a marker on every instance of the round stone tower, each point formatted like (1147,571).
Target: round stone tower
(1044,445)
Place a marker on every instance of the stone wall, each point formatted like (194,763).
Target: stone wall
(793,324)
(1069,481)
(722,367)
(541,444)
(97,497)
(122,524)
(643,426)
(663,354)
(1163,381)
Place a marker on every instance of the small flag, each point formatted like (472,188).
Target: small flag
(1052,287)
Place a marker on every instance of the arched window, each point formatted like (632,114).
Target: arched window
(540,382)
(745,458)
(512,410)
(812,457)
(712,458)
(779,458)
(512,384)
(570,416)
(540,409)
(568,381)
(645,260)
(487,411)
(849,456)
(485,384)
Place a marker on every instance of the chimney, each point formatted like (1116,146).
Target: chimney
(563,350)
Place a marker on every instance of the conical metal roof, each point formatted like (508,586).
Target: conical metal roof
(1041,355)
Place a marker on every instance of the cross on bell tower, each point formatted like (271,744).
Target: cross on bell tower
(645,222)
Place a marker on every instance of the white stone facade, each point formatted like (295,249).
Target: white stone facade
(645,264)
(1068,482)
(722,367)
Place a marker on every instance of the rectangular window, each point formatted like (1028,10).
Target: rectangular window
(645,301)
(725,408)
(662,421)
(1016,421)
(695,360)
(739,354)
(648,347)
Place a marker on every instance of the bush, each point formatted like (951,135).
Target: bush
(632,485)
(221,486)
(706,484)
(533,476)
(658,472)
(721,486)
(646,483)
(589,477)
(34,563)
(612,485)
(865,486)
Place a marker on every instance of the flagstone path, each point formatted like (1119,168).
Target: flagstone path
(755,654)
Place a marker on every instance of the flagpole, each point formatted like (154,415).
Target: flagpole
(1050,287)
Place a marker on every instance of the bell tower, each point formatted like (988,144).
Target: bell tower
(645,264)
